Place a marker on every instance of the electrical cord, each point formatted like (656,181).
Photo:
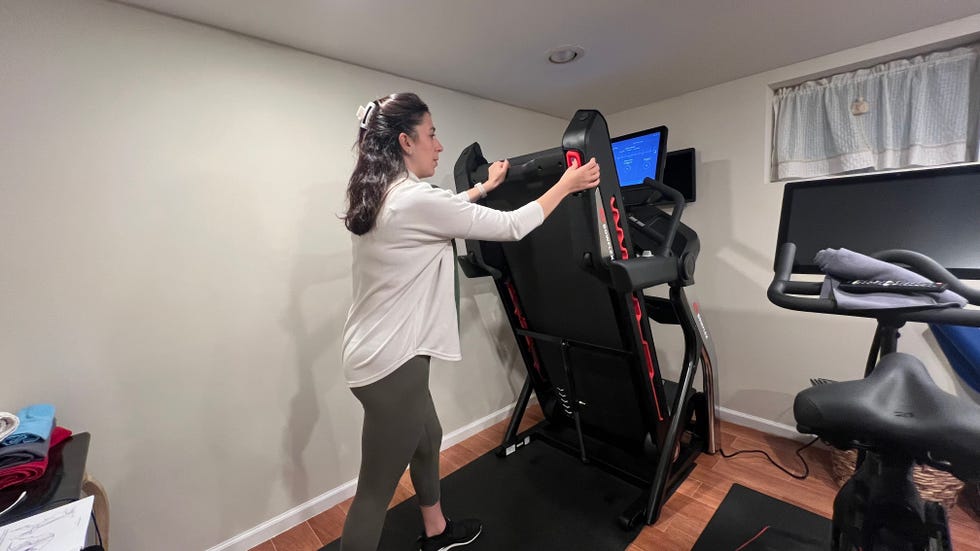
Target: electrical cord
(15,503)
(806,468)
(97,532)
(100,546)
(45,506)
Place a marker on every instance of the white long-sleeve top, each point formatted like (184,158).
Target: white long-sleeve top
(403,269)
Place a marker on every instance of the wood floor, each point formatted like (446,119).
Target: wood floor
(686,512)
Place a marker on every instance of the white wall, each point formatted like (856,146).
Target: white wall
(765,354)
(173,276)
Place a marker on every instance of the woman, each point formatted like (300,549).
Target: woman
(404,311)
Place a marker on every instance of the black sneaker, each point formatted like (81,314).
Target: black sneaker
(456,534)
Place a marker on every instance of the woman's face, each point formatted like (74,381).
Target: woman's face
(421,152)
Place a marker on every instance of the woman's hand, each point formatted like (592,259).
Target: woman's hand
(496,174)
(578,178)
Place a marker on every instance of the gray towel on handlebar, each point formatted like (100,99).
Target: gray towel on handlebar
(845,265)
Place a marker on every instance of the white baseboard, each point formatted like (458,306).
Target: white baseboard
(297,515)
(762,425)
(305,511)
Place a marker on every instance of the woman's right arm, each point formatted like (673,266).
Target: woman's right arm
(576,178)
(455,218)
(493,225)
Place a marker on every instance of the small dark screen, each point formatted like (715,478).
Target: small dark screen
(679,173)
(935,212)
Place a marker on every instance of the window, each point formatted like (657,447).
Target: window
(921,111)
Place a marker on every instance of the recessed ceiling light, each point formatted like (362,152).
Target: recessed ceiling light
(565,54)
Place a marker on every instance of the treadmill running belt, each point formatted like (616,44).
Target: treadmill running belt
(536,499)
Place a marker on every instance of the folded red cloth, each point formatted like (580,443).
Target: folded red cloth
(26,472)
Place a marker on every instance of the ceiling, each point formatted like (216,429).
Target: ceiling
(636,51)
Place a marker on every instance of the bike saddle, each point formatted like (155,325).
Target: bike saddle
(896,408)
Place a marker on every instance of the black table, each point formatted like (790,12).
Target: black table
(61,482)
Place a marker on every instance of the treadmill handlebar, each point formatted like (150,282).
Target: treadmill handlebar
(540,165)
(473,267)
(635,274)
(675,216)
(791,294)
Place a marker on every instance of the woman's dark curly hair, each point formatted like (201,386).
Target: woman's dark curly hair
(379,157)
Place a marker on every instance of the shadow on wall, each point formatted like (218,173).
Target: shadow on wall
(310,339)
(721,243)
(480,302)
(766,359)
(174,349)
(767,404)
(320,284)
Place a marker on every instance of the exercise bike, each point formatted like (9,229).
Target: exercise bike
(895,417)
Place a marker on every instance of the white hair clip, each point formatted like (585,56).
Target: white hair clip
(364,113)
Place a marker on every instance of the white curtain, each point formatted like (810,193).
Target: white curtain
(909,112)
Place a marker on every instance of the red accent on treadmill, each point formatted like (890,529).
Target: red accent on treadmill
(523,323)
(620,237)
(638,314)
(573,154)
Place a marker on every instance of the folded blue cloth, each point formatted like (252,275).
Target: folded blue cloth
(962,348)
(36,423)
(845,265)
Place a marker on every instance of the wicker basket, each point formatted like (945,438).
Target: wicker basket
(933,484)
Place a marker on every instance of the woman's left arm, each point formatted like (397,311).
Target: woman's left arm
(496,174)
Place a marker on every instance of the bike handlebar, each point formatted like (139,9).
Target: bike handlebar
(790,294)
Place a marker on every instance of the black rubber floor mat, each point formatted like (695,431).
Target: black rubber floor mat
(537,499)
(750,521)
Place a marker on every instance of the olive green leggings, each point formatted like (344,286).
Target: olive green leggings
(400,427)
